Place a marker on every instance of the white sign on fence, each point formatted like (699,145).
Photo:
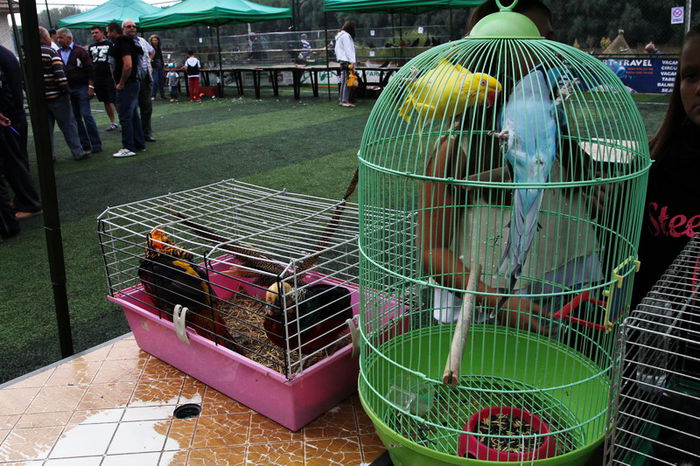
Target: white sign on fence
(420,29)
(677,15)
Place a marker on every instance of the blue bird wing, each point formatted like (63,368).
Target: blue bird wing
(530,119)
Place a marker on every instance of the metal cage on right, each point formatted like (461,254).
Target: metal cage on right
(657,419)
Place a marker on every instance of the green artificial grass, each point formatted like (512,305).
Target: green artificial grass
(307,146)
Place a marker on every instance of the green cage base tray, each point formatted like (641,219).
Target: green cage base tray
(581,438)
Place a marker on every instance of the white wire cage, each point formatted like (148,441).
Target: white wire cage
(657,418)
(266,273)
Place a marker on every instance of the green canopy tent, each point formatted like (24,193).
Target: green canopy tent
(212,13)
(112,10)
(396,6)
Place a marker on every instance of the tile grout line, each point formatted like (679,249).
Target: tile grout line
(121,417)
(88,385)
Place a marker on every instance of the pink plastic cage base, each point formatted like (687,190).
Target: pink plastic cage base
(292,402)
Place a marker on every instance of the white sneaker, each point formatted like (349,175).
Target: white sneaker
(121,153)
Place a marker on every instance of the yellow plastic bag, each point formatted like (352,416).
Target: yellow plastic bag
(352,79)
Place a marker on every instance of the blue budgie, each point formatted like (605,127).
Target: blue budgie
(529,135)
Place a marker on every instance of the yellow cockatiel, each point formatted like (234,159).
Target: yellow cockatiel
(444,91)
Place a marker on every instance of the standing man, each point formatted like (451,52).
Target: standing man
(57,95)
(126,57)
(144,74)
(14,164)
(80,74)
(52,34)
(104,83)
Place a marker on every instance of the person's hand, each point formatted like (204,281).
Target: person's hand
(119,86)
(4,121)
(598,195)
(524,315)
(90,92)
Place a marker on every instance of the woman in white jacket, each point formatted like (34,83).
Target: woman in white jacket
(345,54)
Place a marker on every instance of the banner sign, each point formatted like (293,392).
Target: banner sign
(650,74)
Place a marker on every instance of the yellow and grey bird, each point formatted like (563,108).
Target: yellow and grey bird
(446,89)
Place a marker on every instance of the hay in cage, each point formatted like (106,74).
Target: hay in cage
(240,309)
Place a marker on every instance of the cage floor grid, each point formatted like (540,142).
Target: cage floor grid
(451,409)
(114,404)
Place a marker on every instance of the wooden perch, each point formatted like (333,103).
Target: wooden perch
(454,359)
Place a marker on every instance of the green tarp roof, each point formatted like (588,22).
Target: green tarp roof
(212,13)
(389,6)
(113,10)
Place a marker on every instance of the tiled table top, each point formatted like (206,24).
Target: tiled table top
(113,405)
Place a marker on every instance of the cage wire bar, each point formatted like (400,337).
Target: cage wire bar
(245,246)
(657,418)
(431,151)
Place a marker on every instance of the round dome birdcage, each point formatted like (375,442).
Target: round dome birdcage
(502,180)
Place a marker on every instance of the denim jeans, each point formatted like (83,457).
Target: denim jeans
(128,108)
(61,112)
(87,128)
(158,76)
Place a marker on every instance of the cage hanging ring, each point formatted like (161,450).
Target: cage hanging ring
(506,8)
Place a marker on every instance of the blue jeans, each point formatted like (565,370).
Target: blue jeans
(158,76)
(128,108)
(87,128)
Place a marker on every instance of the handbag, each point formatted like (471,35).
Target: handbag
(352,79)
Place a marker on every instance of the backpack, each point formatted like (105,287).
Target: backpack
(191,70)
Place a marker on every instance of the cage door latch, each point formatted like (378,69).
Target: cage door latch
(354,336)
(179,315)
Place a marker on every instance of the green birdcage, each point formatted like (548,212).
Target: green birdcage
(502,179)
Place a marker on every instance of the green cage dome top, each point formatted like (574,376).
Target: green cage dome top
(520,164)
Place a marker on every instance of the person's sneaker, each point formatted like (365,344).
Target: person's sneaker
(83,156)
(123,153)
(113,127)
(150,139)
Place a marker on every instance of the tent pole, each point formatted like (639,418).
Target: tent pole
(48,13)
(401,37)
(393,33)
(450,28)
(221,70)
(328,65)
(15,34)
(47,181)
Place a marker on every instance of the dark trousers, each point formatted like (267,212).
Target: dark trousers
(146,106)
(15,169)
(61,112)
(158,75)
(87,128)
(128,108)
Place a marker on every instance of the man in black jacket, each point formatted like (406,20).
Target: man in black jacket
(14,164)
(81,77)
